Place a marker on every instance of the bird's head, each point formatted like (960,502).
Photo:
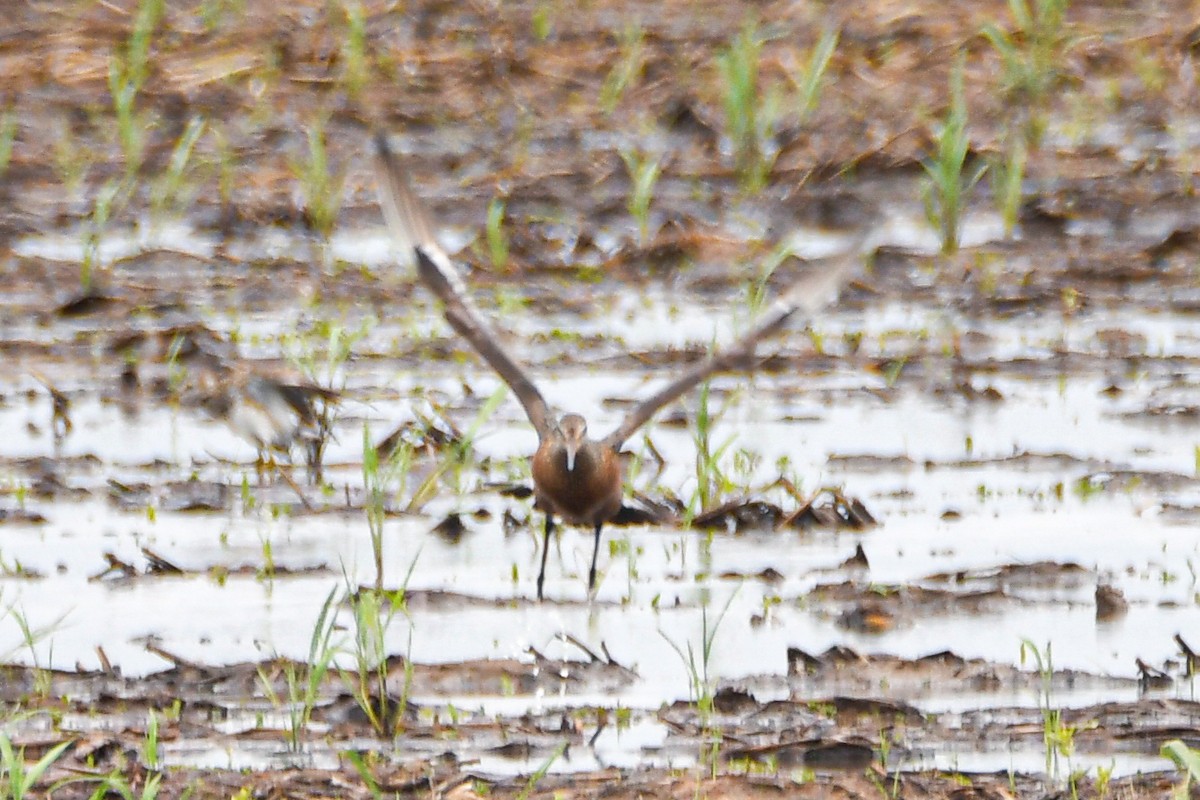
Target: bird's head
(573,429)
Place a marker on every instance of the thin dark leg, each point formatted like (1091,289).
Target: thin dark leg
(595,551)
(545,551)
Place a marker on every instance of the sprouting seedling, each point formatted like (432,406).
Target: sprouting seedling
(1007,179)
(30,638)
(303,681)
(738,65)
(226,165)
(354,49)
(626,70)
(464,449)
(701,682)
(72,160)
(540,772)
(497,238)
(1031,55)
(8,135)
(364,771)
(322,350)
(643,175)
(757,292)
(811,79)
(168,188)
(946,188)
(374,613)
(377,477)
(151,752)
(542,21)
(711,480)
(1058,737)
(321,188)
(19,778)
(1187,761)
(129,124)
(127,72)
(137,49)
(106,198)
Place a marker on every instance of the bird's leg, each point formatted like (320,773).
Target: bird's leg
(595,551)
(545,551)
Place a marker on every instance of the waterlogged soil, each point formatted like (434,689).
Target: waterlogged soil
(946,541)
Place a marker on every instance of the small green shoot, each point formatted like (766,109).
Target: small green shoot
(463,452)
(321,352)
(643,175)
(1058,737)
(127,72)
(758,289)
(322,189)
(711,480)
(130,130)
(151,752)
(540,772)
(354,49)
(946,188)
(1031,55)
(375,483)
(168,190)
(226,165)
(304,682)
(8,135)
(364,771)
(374,613)
(1187,761)
(749,117)
(30,638)
(542,22)
(702,684)
(811,79)
(115,783)
(626,70)
(266,572)
(102,209)
(497,238)
(19,778)
(1007,179)
(72,159)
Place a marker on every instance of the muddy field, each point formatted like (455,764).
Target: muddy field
(943,542)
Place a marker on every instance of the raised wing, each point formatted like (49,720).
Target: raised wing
(804,298)
(411,226)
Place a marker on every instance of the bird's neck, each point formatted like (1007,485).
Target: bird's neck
(586,457)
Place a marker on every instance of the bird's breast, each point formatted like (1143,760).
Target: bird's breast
(588,494)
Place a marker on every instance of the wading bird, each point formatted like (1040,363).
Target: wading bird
(575,478)
(270,413)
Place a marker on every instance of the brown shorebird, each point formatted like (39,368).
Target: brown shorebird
(575,478)
(269,412)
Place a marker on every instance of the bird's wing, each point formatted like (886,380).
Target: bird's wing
(411,226)
(803,299)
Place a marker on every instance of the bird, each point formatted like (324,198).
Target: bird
(271,413)
(577,479)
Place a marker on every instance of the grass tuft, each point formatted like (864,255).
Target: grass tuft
(1031,54)
(627,69)
(946,187)
(643,175)
(748,121)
